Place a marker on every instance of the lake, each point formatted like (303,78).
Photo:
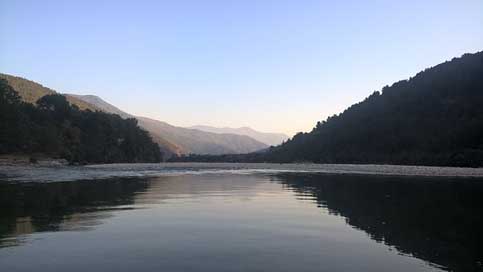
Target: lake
(201,217)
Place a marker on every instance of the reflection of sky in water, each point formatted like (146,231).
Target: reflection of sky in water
(215,222)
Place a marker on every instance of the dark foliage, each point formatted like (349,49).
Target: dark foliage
(434,118)
(56,128)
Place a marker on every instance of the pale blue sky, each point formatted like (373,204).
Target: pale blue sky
(272,65)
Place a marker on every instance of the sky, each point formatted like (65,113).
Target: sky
(276,66)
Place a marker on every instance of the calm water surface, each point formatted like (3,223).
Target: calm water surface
(249,222)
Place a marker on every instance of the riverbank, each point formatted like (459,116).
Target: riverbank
(58,172)
(31,159)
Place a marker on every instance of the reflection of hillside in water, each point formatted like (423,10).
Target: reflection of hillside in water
(79,205)
(437,220)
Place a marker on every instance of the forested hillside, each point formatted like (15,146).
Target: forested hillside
(30,92)
(172,140)
(180,140)
(56,128)
(434,118)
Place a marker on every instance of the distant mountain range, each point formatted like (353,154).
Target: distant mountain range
(271,139)
(172,140)
(186,136)
(183,140)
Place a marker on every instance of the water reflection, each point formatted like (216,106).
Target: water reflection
(79,205)
(27,208)
(437,220)
(244,222)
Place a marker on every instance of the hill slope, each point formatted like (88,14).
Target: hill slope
(100,104)
(264,137)
(171,139)
(183,140)
(434,118)
(31,91)
(54,128)
(168,148)
(202,142)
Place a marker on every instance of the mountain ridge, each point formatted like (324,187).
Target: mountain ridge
(268,138)
(432,118)
(31,91)
(172,140)
(57,129)
(182,140)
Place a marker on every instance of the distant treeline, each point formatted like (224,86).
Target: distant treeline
(434,118)
(54,127)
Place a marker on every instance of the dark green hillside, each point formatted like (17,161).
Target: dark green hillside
(56,128)
(434,118)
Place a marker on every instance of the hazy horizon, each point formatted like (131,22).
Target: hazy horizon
(272,66)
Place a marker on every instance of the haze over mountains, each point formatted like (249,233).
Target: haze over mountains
(184,136)
(180,134)
(264,137)
(172,140)
(184,140)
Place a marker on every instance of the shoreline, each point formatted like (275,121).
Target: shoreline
(31,159)
(58,172)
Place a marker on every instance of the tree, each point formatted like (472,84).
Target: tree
(56,128)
